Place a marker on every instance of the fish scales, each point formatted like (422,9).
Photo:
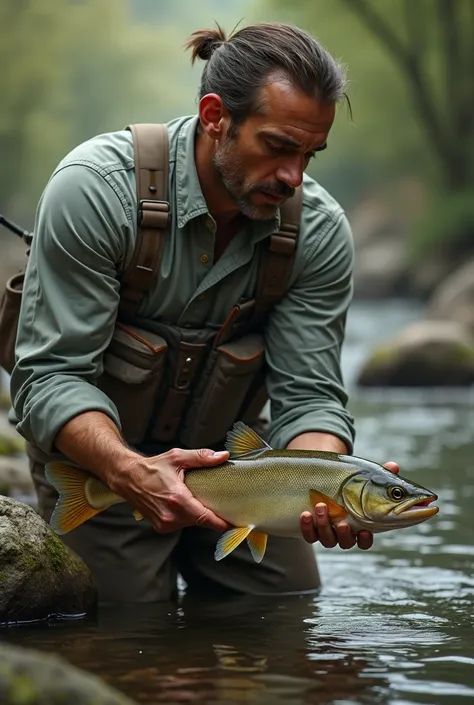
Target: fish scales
(263,491)
(253,491)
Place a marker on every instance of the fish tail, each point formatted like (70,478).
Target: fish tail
(72,508)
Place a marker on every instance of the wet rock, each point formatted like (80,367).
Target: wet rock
(39,575)
(453,300)
(28,677)
(425,354)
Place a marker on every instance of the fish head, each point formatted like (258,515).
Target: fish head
(380,500)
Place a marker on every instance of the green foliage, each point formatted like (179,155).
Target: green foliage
(410,84)
(75,69)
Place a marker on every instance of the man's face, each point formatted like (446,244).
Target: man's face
(263,163)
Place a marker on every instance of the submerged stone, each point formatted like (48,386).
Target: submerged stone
(39,576)
(28,677)
(425,354)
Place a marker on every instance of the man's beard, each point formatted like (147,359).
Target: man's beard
(228,164)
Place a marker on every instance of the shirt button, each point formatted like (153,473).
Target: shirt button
(204,259)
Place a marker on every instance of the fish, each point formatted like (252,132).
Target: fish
(261,491)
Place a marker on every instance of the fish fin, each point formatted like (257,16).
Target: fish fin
(72,507)
(257,542)
(138,515)
(244,441)
(230,540)
(335,511)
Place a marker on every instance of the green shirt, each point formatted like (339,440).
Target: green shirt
(85,233)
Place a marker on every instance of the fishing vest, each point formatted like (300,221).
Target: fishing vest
(173,385)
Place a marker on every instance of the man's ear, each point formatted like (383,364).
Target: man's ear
(213,115)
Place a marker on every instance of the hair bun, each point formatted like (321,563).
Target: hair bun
(204,42)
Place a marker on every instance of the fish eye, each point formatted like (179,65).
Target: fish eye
(397,493)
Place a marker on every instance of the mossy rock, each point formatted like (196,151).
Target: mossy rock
(11,444)
(39,575)
(28,677)
(425,354)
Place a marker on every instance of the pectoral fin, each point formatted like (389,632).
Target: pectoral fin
(230,540)
(258,545)
(138,515)
(335,511)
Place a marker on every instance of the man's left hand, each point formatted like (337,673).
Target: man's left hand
(341,535)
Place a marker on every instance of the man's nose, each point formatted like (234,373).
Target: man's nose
(290,174)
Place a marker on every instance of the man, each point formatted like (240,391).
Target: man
(267,103)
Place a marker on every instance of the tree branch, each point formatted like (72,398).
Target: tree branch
(379,27)
(409,60)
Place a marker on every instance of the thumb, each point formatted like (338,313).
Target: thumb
(393,467)
(204,457)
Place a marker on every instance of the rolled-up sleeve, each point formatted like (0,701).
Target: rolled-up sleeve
(69,303)
(305,333)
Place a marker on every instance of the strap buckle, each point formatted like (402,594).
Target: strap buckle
(153,214)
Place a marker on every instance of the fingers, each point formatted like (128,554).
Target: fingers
(345,538)
(365,540)
(203,457)
(326,533)
(308,528)
(330,536)
(393,467)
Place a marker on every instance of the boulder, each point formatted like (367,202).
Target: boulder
(28,677)
(425,354)
(39,575)
(453,300)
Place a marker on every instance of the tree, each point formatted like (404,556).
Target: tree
(444,97)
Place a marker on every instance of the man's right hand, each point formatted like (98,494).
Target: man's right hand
(155,486)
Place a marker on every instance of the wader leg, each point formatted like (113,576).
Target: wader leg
(289,566)
(129,560)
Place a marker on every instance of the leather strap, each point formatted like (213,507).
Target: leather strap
(277,257)
(151,149)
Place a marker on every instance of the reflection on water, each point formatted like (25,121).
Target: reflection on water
(393,625)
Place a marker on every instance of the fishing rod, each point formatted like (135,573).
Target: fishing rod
(10,225)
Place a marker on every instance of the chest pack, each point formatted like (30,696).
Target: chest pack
(172,385)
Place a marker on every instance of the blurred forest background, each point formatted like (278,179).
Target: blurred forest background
(402,167)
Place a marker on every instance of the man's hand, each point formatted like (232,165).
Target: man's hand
(329,536)
(155,486)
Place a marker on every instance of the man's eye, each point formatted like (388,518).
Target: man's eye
(275,149)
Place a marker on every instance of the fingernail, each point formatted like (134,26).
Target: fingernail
(219,452)
(307,518)
(320,511)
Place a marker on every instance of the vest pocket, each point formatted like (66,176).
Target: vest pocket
(133,370)
(9,315)
(218,399)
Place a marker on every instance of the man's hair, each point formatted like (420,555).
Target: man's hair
(238,67)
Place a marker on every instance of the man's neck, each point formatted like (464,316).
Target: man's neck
(219,203)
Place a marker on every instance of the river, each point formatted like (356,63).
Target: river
(392,625)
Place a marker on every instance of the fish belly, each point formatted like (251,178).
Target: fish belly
(270,515)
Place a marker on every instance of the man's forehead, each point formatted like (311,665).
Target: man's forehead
(283,105)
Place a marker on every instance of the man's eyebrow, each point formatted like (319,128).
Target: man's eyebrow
(290,142)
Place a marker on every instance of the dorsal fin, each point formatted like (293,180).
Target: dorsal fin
(242,442)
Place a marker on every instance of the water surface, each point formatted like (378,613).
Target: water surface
(392,625)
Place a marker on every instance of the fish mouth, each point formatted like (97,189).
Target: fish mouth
(417,508)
